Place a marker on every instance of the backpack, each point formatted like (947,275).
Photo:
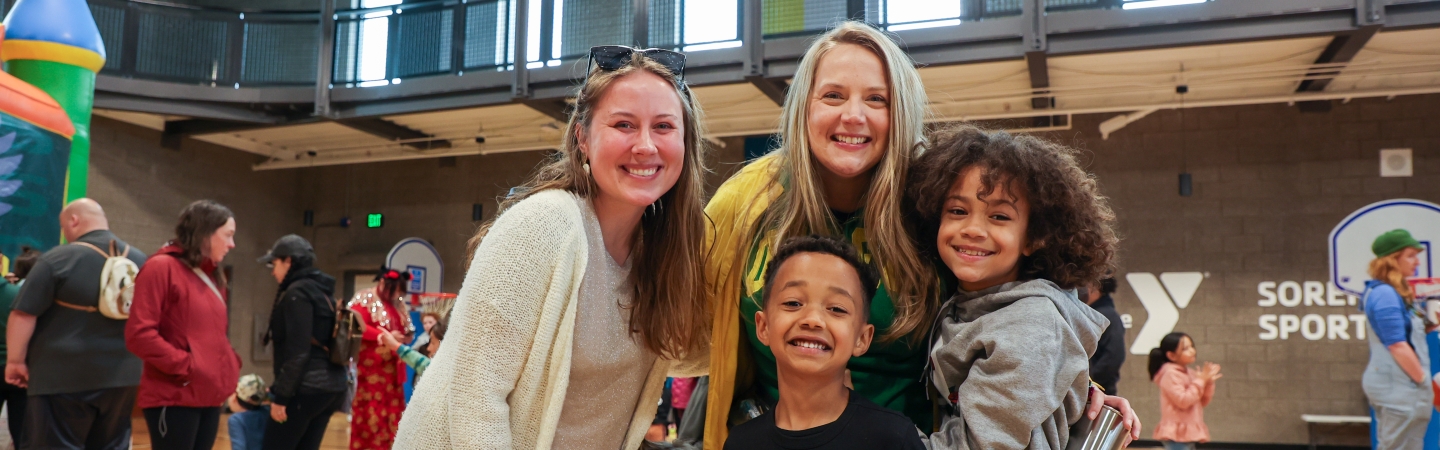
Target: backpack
(346,336)
(117,284)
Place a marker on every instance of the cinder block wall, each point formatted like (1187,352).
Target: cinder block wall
(1269,185)
(422,198)
(143,187)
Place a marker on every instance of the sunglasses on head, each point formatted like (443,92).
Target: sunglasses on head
(612,57)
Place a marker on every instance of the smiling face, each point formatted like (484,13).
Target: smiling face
(1184,354)
(635,143)
(980,239)
(812,320)
(220,243)
(849,118)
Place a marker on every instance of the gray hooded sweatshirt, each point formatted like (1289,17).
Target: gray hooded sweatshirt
(1013,360)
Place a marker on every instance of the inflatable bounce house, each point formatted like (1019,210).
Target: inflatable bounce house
(51,51)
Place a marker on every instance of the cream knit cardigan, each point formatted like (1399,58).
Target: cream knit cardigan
(499,380)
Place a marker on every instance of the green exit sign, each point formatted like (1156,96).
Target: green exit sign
(375,220)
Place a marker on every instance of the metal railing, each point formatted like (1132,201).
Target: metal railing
(422,39)
(177,43)
(147,39)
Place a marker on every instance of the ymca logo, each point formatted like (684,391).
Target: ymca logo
(1161,298)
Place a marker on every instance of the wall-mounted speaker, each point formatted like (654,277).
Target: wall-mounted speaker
(1186,188)
(309,218)
(477,212)
(1397,162)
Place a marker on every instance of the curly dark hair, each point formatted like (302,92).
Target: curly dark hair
(869,276)
(1071,225)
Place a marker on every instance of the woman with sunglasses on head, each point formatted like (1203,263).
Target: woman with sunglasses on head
(586,291)
(852,121)
(379,373)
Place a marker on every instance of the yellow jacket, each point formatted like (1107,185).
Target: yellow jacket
(731,217)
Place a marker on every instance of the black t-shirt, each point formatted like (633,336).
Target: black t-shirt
(863,426)
(72,350)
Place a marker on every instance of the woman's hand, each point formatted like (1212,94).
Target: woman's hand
(388,340)
(1128,418)
(399,336)
(656,433)
(277,412)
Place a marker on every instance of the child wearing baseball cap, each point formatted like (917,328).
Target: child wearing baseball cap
(250,405)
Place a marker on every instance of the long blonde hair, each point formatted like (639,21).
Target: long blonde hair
(669,314)
(801,210)
(1387,269)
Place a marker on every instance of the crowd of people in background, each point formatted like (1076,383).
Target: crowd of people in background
(97,328)
(826,293)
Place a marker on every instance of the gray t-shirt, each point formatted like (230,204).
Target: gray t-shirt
(73,350)
(608,368)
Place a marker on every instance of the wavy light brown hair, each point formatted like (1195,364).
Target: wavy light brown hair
(800,209)
(669,315)
(199,221)
(1071,225)
(1387,269)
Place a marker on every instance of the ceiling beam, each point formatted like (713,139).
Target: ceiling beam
(1337,55)
(773,88)
(1039,79)
(378,155)
(1039,66)
(176,130)
(557,109)
(395,132)
(1342,49)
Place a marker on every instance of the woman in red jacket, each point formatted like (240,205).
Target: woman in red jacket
(179,327)
(379,399)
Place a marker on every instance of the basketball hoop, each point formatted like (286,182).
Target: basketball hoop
(1425,288)
(433,302)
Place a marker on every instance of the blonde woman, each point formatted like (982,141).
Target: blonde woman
(1396,380)
(586,291)
(853,120)
(849,127)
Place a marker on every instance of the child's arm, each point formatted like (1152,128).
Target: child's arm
(413,359)
(1208,395)
(1022,364)
(1183,390)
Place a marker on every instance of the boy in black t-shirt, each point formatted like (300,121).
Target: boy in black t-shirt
(815,318)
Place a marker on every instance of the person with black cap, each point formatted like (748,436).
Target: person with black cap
(308,387)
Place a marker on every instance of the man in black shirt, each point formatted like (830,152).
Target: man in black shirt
(82,380)
(1110,352)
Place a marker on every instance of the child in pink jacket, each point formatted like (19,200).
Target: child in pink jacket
(1184,392)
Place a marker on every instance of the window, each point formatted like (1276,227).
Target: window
(374,43)
(711,24)
(1141,4)
(916,14)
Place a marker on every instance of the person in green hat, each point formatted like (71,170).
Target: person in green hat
(1396,380)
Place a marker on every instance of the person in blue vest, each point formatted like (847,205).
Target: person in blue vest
(1397,378)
